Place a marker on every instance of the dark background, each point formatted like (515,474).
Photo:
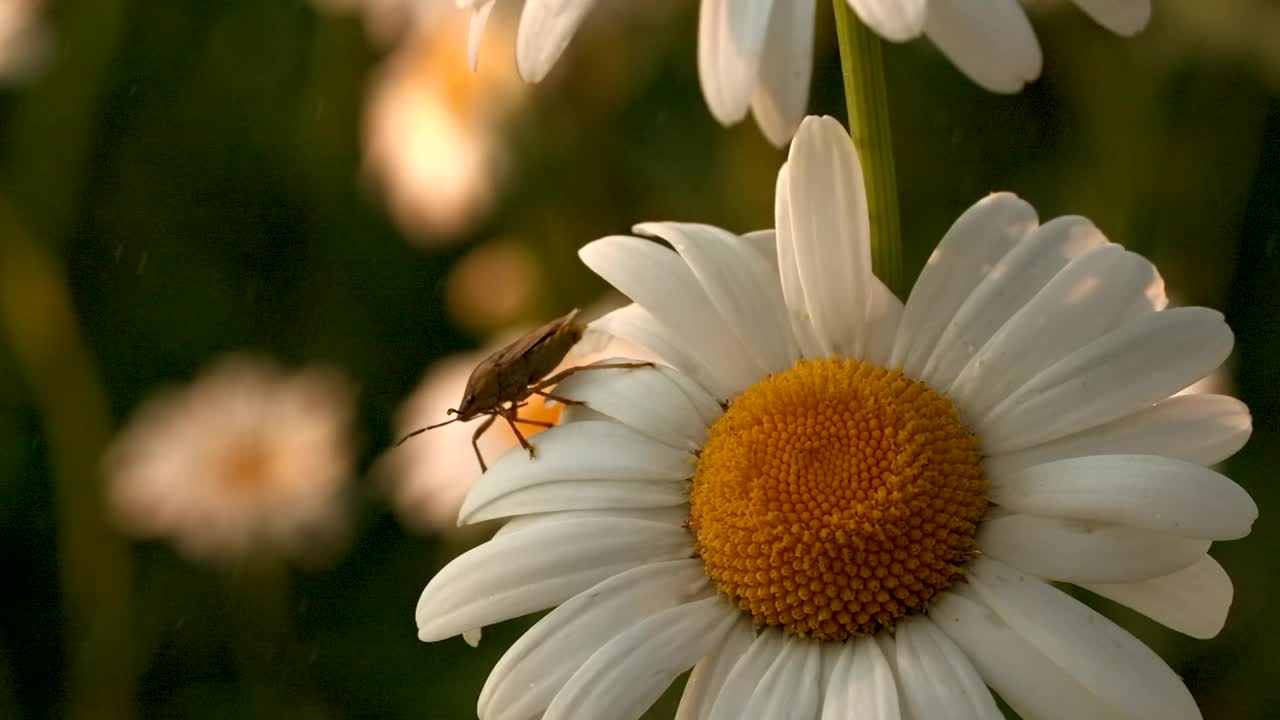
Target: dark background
(188,174)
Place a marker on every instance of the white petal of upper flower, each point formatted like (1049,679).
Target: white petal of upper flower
(789,688)
(1110,663)
(1083,551)
(537,567)
(746,675)
(645,399)
(828,236)
(731,39)
(1031,683)
(861,684)
(1140,363)
(638,326)
(1093,295)
(658,280)
(896,20)
(546,26)
(743,287)
(589,450)
(786,70)
(936,678)
(479,20)
(969,251)
(537,666)
(1194,600)
(1140,491)
(675,517)
(992,42)
(1010,284)
(627,675)
(708,676)
(1202,429)
(1123,17)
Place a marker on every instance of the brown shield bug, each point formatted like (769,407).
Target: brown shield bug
(503,382)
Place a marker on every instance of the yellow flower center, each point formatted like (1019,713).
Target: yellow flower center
(836,497)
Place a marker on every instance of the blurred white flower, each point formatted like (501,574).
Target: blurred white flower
(493,286)
(248,459)
(757,55)
(433,129)
(25,42)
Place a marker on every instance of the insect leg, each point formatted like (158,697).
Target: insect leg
(558,377)
(557,398)
(509,414)
(475,440)
(538,423)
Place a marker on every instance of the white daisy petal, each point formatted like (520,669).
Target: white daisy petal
(709,675)
(627,675)
(731,39)
(1011,283)
(937,680)
(519,572)
(1081,551)
(765,243)
(861,684)
(479,20)
(970,250)
(546,26)
(1109,662)
(802,327)
(742,286)
(991,42)
(588,450)
(657,279)
(1093,295)
(581,495)
(537,666)
(707,407)
(883,317)
(636,325)
(828,236)
(645,399)
(895,20)
(746,675)
(786,69)
(1122,17)
(1194,600)
(1140,491)
(675,517)
(1121,372)
(1026,679)
(1201,429)
(789,688)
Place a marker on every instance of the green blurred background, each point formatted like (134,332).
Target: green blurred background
(182,179)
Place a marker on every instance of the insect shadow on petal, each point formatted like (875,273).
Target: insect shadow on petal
(503,382)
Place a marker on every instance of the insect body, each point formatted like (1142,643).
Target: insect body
(503,382)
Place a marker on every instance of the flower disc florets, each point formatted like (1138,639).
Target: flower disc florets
(836,497)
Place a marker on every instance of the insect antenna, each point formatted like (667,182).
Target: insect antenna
(421,430)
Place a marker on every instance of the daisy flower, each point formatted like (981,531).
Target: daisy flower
(757,55)
(833,504)
(247,459)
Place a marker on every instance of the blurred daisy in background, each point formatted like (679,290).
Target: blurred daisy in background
(757,55)
(433,128)
(494,286)
(249,459)
(881,492)
(25,42)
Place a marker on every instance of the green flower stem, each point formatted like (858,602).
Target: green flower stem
(40,325)
(868,100)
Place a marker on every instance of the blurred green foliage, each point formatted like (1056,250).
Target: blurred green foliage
(195,167)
